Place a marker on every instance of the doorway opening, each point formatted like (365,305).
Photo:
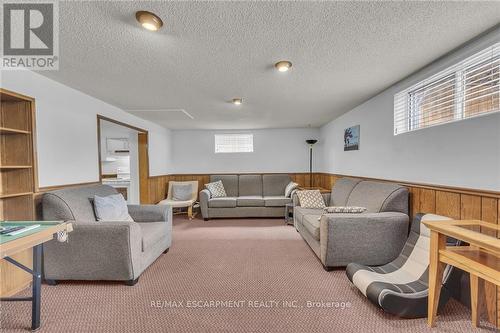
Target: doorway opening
(121,157)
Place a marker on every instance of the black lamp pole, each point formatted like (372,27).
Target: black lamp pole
(311,143)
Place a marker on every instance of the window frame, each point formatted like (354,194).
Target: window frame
(408,113)
(237,151)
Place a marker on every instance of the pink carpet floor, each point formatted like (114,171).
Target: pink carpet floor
(249,275)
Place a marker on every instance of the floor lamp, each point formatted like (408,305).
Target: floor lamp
(311,143)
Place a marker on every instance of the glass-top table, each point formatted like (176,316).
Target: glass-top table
(480,258)
(30,239)
(42,227)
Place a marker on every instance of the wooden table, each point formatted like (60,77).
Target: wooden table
(10,245)
(321,189)
(481,259)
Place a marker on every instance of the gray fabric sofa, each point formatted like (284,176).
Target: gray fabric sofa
(247,196)
(103,250)
(373,238)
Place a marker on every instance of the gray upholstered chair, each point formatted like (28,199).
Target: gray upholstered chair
(401,287)
(103,250)
(374,237)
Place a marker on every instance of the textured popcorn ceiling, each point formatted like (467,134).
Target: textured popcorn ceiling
(209,52)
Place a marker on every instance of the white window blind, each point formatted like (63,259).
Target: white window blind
(467,89)
(233,143)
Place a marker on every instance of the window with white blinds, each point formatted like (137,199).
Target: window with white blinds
(233,143)
(467,89)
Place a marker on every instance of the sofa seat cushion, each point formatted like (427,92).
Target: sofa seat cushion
(152,233)
(300,212)
(311,223)
(276,201)
(226,202)
(250,201)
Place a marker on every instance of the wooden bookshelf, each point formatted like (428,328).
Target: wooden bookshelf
(18,181)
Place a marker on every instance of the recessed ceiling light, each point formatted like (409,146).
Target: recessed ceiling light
(237,101)
(149,20)
(283,66)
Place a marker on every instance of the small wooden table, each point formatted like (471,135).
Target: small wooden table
(481,259)
(34,239)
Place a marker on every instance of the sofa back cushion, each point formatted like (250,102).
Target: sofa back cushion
(379,197)
(274,185)
(398,201)
(216,189)
(73,203)
(341,191)
(250,185)
(230,183)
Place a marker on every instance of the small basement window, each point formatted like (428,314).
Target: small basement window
(468,89)
(233,143)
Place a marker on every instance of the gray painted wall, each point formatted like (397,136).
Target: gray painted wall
(275,150)
(66,130)
(463,154)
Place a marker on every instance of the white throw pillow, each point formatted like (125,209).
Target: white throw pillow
(289,189)
(182,192)
(345,209)
(311,199)
(111,208)
(216,189)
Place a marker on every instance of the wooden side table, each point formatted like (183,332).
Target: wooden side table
(481,259)
(193,210)
(321,189)
(289,213)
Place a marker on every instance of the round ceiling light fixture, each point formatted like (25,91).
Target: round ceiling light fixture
(237,101)
(283,65)
(149,20)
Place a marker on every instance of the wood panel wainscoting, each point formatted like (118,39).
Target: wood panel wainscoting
(153,189)
(158,185)
(454,202)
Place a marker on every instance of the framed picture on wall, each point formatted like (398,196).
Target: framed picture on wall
(351,138)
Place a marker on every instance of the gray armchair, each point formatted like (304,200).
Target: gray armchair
(104,250)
